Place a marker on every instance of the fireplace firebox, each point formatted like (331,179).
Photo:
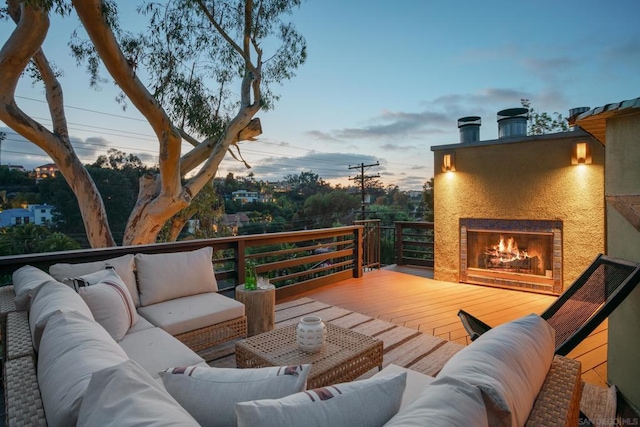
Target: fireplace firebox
(520,254)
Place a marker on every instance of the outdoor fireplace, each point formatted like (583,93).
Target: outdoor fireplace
(525,254)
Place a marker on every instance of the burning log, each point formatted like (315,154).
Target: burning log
(507,256)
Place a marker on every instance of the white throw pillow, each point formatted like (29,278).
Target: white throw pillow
(111,304)
(94,278)
(163,277)
(51,298)
(26,281)
(126,395)
(209,394)
(509,364)
(124,266)
(366,403)
(446,402)
(72,348)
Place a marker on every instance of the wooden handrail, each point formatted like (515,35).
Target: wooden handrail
(410,245)
(342,257)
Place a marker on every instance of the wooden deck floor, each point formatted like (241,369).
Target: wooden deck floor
(431,306)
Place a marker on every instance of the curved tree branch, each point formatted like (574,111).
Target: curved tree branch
(93,20)
(224,34)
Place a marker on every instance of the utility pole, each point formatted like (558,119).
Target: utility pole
(363,179)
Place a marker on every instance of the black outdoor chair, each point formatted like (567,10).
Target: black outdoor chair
(583,306)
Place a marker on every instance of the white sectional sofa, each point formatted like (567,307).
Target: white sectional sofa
(125,365)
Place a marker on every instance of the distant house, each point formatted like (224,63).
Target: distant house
(18,168)
(33,214)
(235,220)
(245,196)
(280,186)
(45,171)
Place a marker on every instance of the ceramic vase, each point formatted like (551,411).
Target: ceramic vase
(310,334)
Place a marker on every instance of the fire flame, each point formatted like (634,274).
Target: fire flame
(507,250)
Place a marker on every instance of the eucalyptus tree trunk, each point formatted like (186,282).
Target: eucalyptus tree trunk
(23,45)
(161,196)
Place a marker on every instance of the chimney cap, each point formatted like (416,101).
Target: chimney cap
(469,121)
(511,113)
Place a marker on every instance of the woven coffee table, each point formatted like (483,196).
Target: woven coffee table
(344,357)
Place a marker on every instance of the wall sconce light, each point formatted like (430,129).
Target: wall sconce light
(449,162)
(581,153)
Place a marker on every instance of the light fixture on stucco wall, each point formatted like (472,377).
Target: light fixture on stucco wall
(581,153)
(449,162)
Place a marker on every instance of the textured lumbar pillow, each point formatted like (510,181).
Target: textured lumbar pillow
(366,403)
(209,394)
(109,301)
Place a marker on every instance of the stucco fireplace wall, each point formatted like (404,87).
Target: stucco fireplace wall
(521,178)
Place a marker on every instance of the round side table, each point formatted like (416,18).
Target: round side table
(259,307)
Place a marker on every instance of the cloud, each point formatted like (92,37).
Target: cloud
(395,124)
(329,166)
(626,52)
(397,147)
(17,150)
(322,136)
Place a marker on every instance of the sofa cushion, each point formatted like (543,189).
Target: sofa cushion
(126,395)
(162,277)
(445,402)
(209,394)
(416,382)
(26,281)
(124,266)
(51,298)
(111,304)
(140,325)
(363,403)
(509,364)
(193,312)
(156,350)
(72,348)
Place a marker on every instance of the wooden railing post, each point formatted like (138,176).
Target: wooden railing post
(358,234)
(240,261)
(399,243)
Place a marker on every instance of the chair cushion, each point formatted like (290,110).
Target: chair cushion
(125,395)
(72,348)
(193,312)
(209,394)
(366,403)
(111,304)
(26,281)
(124,266)
(445,402)
(163,277)
(509,364)
(155,350)
(51,298)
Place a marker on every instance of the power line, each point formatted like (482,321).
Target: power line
(153,138)
(87,110)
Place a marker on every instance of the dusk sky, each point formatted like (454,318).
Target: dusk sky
(384,81)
